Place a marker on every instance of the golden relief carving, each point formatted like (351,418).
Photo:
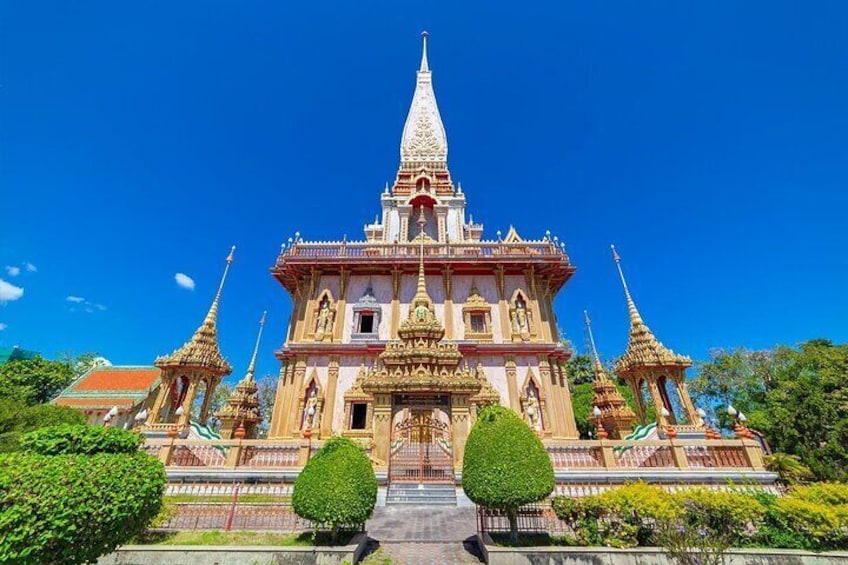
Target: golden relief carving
(325,316)
(477,316)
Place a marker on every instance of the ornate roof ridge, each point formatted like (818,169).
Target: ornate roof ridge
(643,348)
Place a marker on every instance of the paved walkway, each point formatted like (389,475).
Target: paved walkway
(423,535)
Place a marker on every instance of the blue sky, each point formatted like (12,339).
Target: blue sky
(708,141)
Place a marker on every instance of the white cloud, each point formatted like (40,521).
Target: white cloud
(184,281)
(9,292)
(100,307)
(30,268)
(3,326)
(13,271)
(75,299)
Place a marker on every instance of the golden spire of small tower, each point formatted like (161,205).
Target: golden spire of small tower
(251,368)
(643,348)
(202,349)
(616,416)
(421,291)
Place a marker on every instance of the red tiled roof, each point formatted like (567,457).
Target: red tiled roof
(98,402)
(119,378)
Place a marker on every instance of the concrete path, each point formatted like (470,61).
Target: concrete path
(410,535)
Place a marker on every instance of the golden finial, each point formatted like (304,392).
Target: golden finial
(251,368)
(635,318)
(596,359)
(212,315)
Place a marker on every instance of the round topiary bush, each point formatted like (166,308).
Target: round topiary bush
(80,440)
(337,486)
(505,464)
(70,509)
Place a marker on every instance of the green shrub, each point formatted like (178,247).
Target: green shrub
(505,464)
(632,512)
(583,516)
(81,440)
(71,509)
(720,511)
(337,486)
(16,418)
(823,493)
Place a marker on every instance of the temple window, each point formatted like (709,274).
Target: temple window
(477,316)
(359,411)
(478,323)
(366,316)
(366,322)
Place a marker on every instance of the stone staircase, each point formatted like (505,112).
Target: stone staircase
(422,494)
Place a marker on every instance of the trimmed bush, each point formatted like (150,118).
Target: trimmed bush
(81,440)
(70,509)
(505,464)
(337,487)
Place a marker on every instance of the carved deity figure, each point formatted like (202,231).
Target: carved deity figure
(324,326)
(310,411)
(421,312)
(519,317)
(532,410)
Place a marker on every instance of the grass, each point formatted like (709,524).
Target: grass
(216,537)
(531,540)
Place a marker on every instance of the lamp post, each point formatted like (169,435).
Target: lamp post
(141,417)
(173,430)
(739,420)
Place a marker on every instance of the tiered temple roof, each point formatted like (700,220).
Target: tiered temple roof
(643,348)
(202,351)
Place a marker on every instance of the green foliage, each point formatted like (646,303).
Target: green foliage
(70,509)
(798,397)
(36,380)
(17,418)
(720,511)
(505,464)
(688,545)
(789,468)
(337,487)
(812,517)
(82,440)
(580,370)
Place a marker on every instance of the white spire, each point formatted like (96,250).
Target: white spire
(424,139)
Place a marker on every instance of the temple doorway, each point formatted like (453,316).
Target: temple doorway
(421,443)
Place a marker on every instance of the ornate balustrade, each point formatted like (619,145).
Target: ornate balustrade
(365,250)
(730,454)
(577,455)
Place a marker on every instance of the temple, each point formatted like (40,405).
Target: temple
(400,337)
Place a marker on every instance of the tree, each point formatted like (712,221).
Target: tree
(74,507)
(505,464)
(267,393)
(17,418)
(580,369)
(337,486)
(38,380)
(798,397)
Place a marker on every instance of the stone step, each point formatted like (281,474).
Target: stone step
(437,494)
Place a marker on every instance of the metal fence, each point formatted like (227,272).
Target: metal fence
(232,506)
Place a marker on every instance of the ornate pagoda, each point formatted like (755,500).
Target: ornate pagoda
(240,414)
(616,417)
(365,311)
(197,364)
(648,364)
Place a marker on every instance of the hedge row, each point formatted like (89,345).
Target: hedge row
(811,517)
(81,440)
